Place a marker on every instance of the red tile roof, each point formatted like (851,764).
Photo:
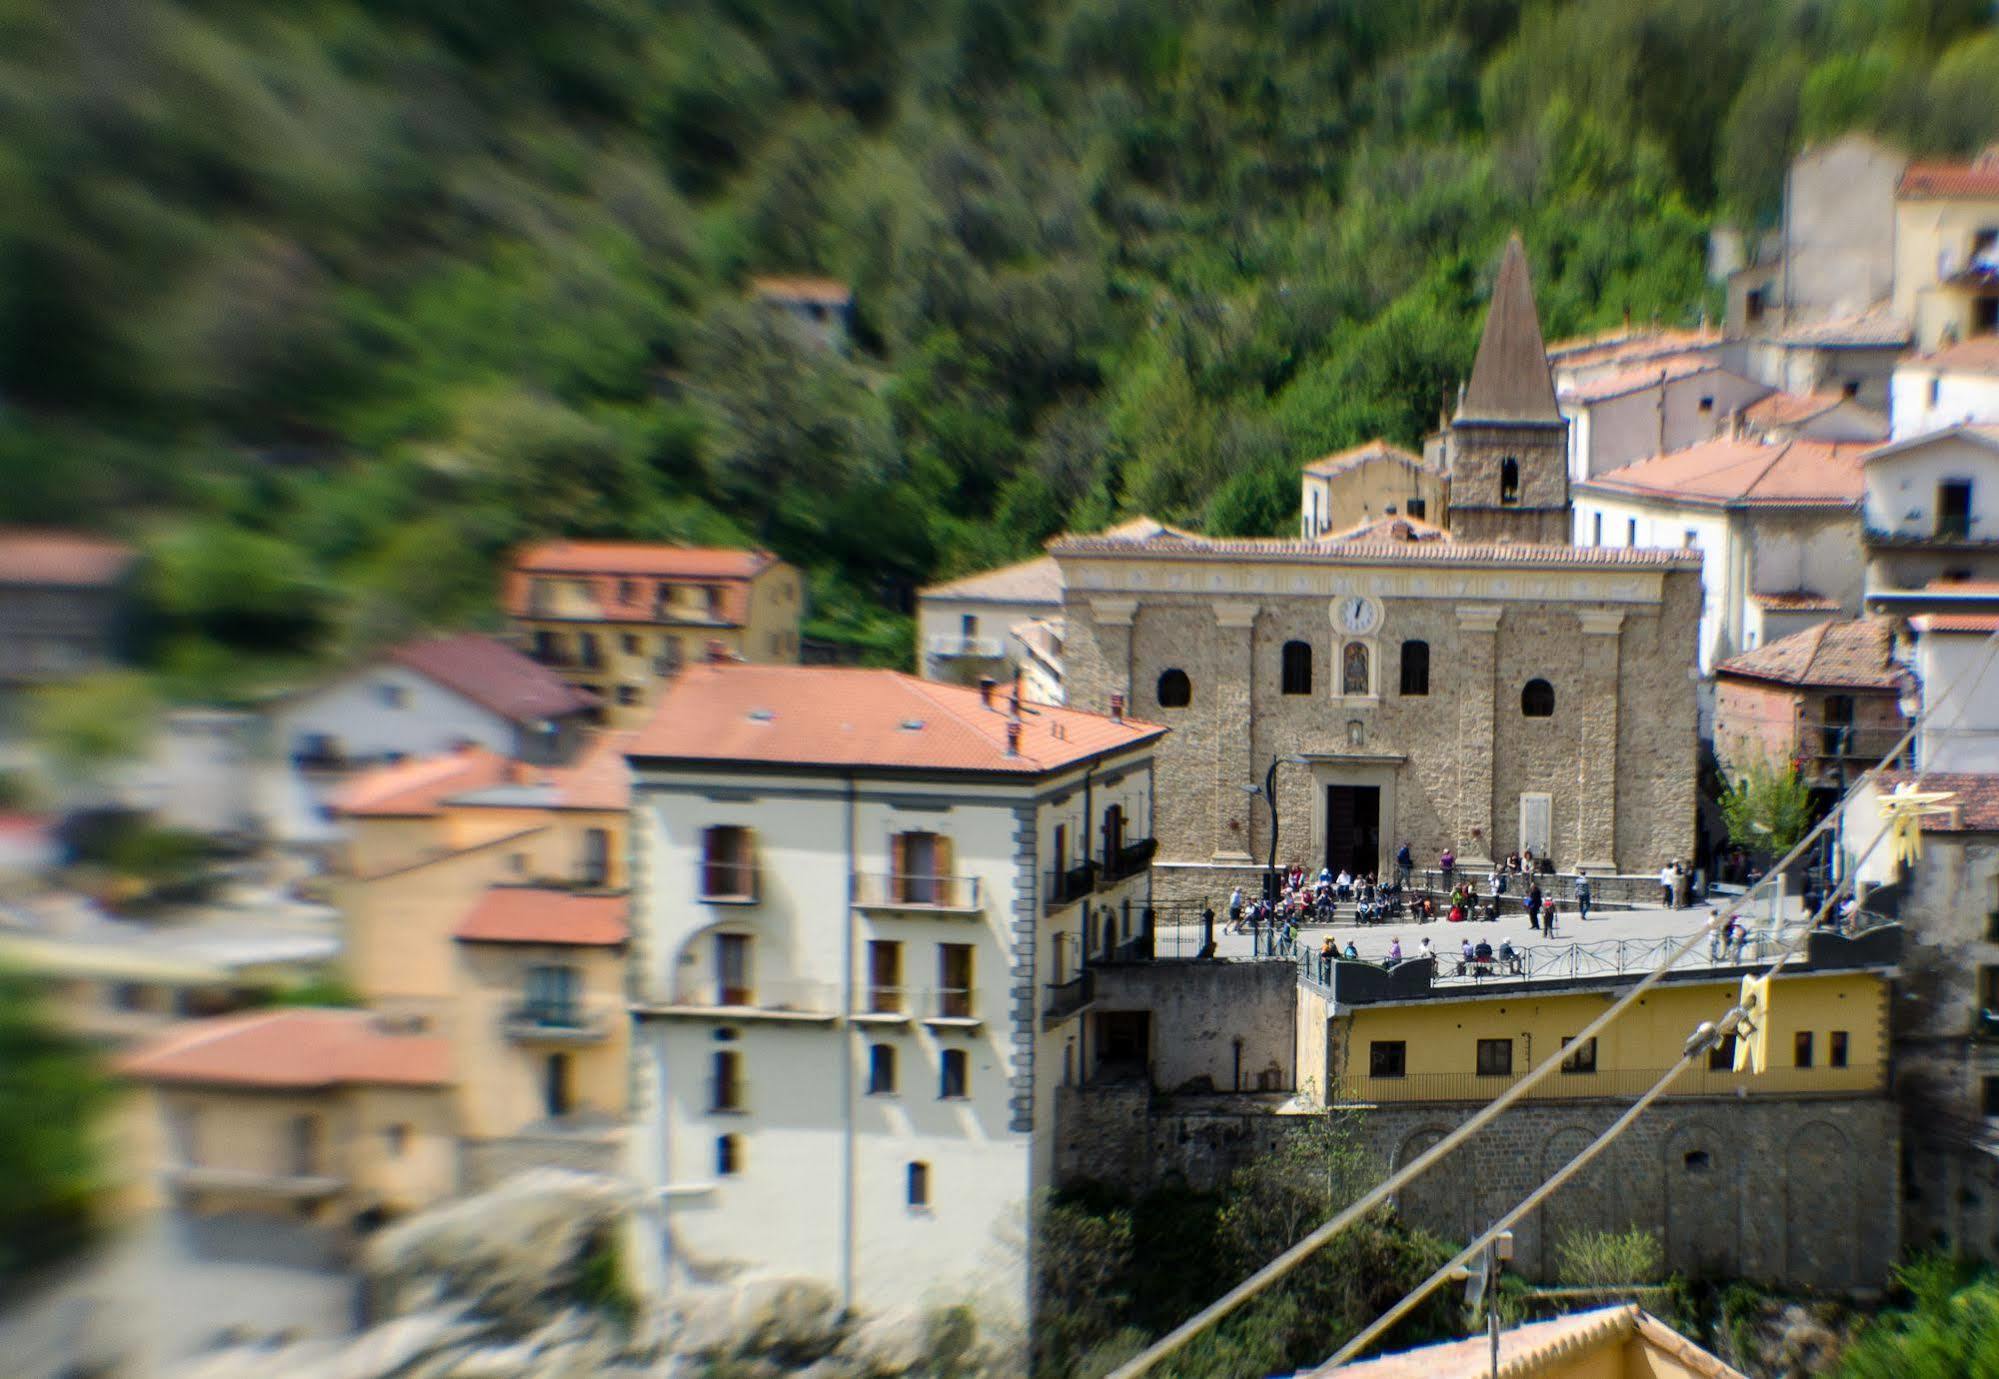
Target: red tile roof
(1975,810)
(419,786)
(1637,379)
(1854,653)
(1727,473)
(1869,330)
(827,291)
(1628,343)
(299,1049)
(71,560)
(1380,552)
(493,675)
(533,914)
(1931,181)
(608,566)
(1377,530)
(879,719)
(1783,409)
(1979,354)
(1376,449)
(1971,623)
(1796,601)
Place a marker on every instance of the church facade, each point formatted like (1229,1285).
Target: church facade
(1492,690)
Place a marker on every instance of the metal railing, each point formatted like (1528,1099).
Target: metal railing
(1066,998)
(779,996)
(913,891)
(1129,860)
(1612,1083)
(728,883)
(1555,962)
(554,1020)
(1067,885)
(947,645)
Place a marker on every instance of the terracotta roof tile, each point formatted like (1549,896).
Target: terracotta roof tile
(1869,330)
(1928,181)
(495,675)
(625,578)
(1979,354)
(879,719)
(1975,810)
(1640,377)
(1628,343)
(534,914)
(1970,623)
(1509,375)
(1726,473)
(1855,653)
(1377,530)
(1381,552)
(419,786)
(1541,1346)
(302,1048)
(1376,449)
(826,291)
(1796,601)
(69,559)
(1785,409)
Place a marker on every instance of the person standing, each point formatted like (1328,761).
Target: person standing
(1666,886)
(1394,951)
(1235,910)
(1582,894)
(1404,864)
(1534,906)
(1448,864)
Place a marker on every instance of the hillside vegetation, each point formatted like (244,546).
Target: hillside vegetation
(328,303)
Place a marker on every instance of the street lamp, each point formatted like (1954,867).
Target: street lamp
(1268,793)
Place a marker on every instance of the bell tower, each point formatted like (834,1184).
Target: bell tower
(1507,448)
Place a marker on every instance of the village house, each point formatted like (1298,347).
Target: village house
(1827,699)
(618,619)
(1775,520)
(1947,250)
(1780,417)
(1481,690)
(1930,516)
(822,307)
(62,603)
(1955,385)
(1651,408)
(1368,482)
(865,903)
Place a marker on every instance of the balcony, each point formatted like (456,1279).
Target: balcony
(812,1003)
(1129,860)
(1619,1085)
(727,883)
(935,895)
(953,1007)
(946,647)
(543,1023)
(301,1187)
(1067,885)
(1068,999)
(1824,748)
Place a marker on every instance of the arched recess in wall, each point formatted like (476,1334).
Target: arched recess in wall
(1432,1201)
(1175,690)
(1820,1217)
(1703,1201)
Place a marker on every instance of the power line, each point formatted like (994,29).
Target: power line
(1284,1263)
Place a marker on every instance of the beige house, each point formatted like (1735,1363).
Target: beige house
(1369,481)
(619,618)
(63,598)
(337,1116)
(1651,408)
(1828,699)
(1955,385)
(1947,250)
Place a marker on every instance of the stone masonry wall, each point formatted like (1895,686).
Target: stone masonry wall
(1216,1026)
(1795,1192)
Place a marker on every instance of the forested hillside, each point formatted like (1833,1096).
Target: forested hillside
(327,303)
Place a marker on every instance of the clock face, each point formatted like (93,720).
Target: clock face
(1357,614)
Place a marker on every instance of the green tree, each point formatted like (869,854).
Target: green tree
(1767,808)
(51,1091)
(1949,1328)
(1608,1259)
(87,726)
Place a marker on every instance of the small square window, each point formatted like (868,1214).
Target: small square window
(1581,1058)
(1801,1051)
(630,642)
(397,1137)
(392,696)
(919,1184)
(1495,1058)
(1707,405)
(1836,1049)
(1387,1058)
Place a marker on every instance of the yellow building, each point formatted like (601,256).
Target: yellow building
(619,618)
(336,1116)
(1947,250)
(1461,1044)
(1366,483)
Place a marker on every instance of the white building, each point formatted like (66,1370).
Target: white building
(1650,408)
(1959,675)
(1777,527)
(862,903)
(1931,515)
(1955,385)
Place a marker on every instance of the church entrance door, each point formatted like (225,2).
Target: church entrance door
(1353,828)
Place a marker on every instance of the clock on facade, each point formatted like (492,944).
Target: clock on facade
(1357,614)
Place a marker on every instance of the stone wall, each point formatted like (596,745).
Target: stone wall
(1216,1026)
(1797,1192)
(487,1163)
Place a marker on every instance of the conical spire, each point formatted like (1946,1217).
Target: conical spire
(1510,379)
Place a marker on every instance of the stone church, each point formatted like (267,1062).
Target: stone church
(1481,689)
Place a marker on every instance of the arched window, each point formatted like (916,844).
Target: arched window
(1353,669)
(881,1069)
(1537,699)
(1509,480)
(1175,690)
(728,1156)
(1415,667)
(1297,668)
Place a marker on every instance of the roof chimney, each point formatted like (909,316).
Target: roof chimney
(986,683)
(1013,738)
(1117,708)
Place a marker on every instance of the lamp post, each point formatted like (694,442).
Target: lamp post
(1268,792)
